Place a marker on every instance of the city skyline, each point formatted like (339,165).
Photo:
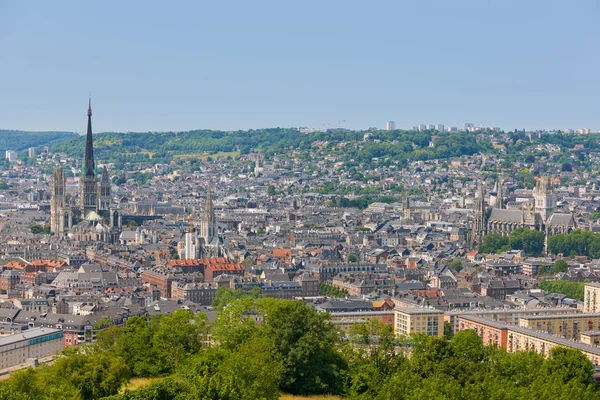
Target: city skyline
(211,66)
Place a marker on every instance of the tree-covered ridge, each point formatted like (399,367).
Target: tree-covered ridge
(256,349)
(399,145)
(22,140)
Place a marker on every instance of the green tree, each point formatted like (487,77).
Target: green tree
(179,335)
(306,342)
(467,343)
(271,191)
(455,264)
(529,240)
(352,258)
(494,243)
(559,266)
(253,371)
(448,331)
(574,290)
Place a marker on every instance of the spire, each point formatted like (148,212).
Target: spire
(104,174)
(89,145)
(499,199)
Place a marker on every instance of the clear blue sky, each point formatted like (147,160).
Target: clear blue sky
(179,65)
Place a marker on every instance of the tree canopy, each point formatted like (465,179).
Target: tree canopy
(258,348)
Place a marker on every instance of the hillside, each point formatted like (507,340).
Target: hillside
(399,145)
(21,140)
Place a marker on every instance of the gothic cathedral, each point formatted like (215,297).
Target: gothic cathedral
(93,218)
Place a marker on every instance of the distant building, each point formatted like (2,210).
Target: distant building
(11,155)
(96,219)
(31,152)
(439,127)
(390,126)
(410,320)
(591,301)
(538,215)
(30,344)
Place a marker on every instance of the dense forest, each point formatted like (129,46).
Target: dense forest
(260,348)
(21,140)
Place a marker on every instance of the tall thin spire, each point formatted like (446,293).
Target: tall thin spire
(89,145)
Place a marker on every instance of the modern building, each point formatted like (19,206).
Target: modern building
(590,337)
(31,344)
(11,155)
(506,316)
(568,326)
(439,127)
(491,333)
(390,126)
(409,320)
(515,338)
(31,152)
(344,320)
(591,301)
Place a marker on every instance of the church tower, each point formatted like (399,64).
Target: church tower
(208,225)
(89,184)
(105,195)
(57,202)
(406,207)
(498,201)
(545,200)
(479,225)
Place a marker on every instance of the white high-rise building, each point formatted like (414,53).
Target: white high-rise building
(390,126)
(431,127)
(11,155)
(439,127)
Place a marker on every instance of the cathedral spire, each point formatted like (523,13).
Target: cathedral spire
(89,145)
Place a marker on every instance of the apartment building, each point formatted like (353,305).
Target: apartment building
(409,320)
(568,326)
(30,344)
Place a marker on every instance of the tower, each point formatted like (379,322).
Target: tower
(105,195)
(545,200)
(208,225)
(479,225)
(406,207)
(57,200)
(89,184)
(496,200)
(191,241)
(257,168)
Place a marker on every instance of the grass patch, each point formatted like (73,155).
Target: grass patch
(136,383)
(321,397)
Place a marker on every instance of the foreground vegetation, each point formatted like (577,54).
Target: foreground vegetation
(261,348)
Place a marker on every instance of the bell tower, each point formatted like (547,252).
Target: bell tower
(545,200)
